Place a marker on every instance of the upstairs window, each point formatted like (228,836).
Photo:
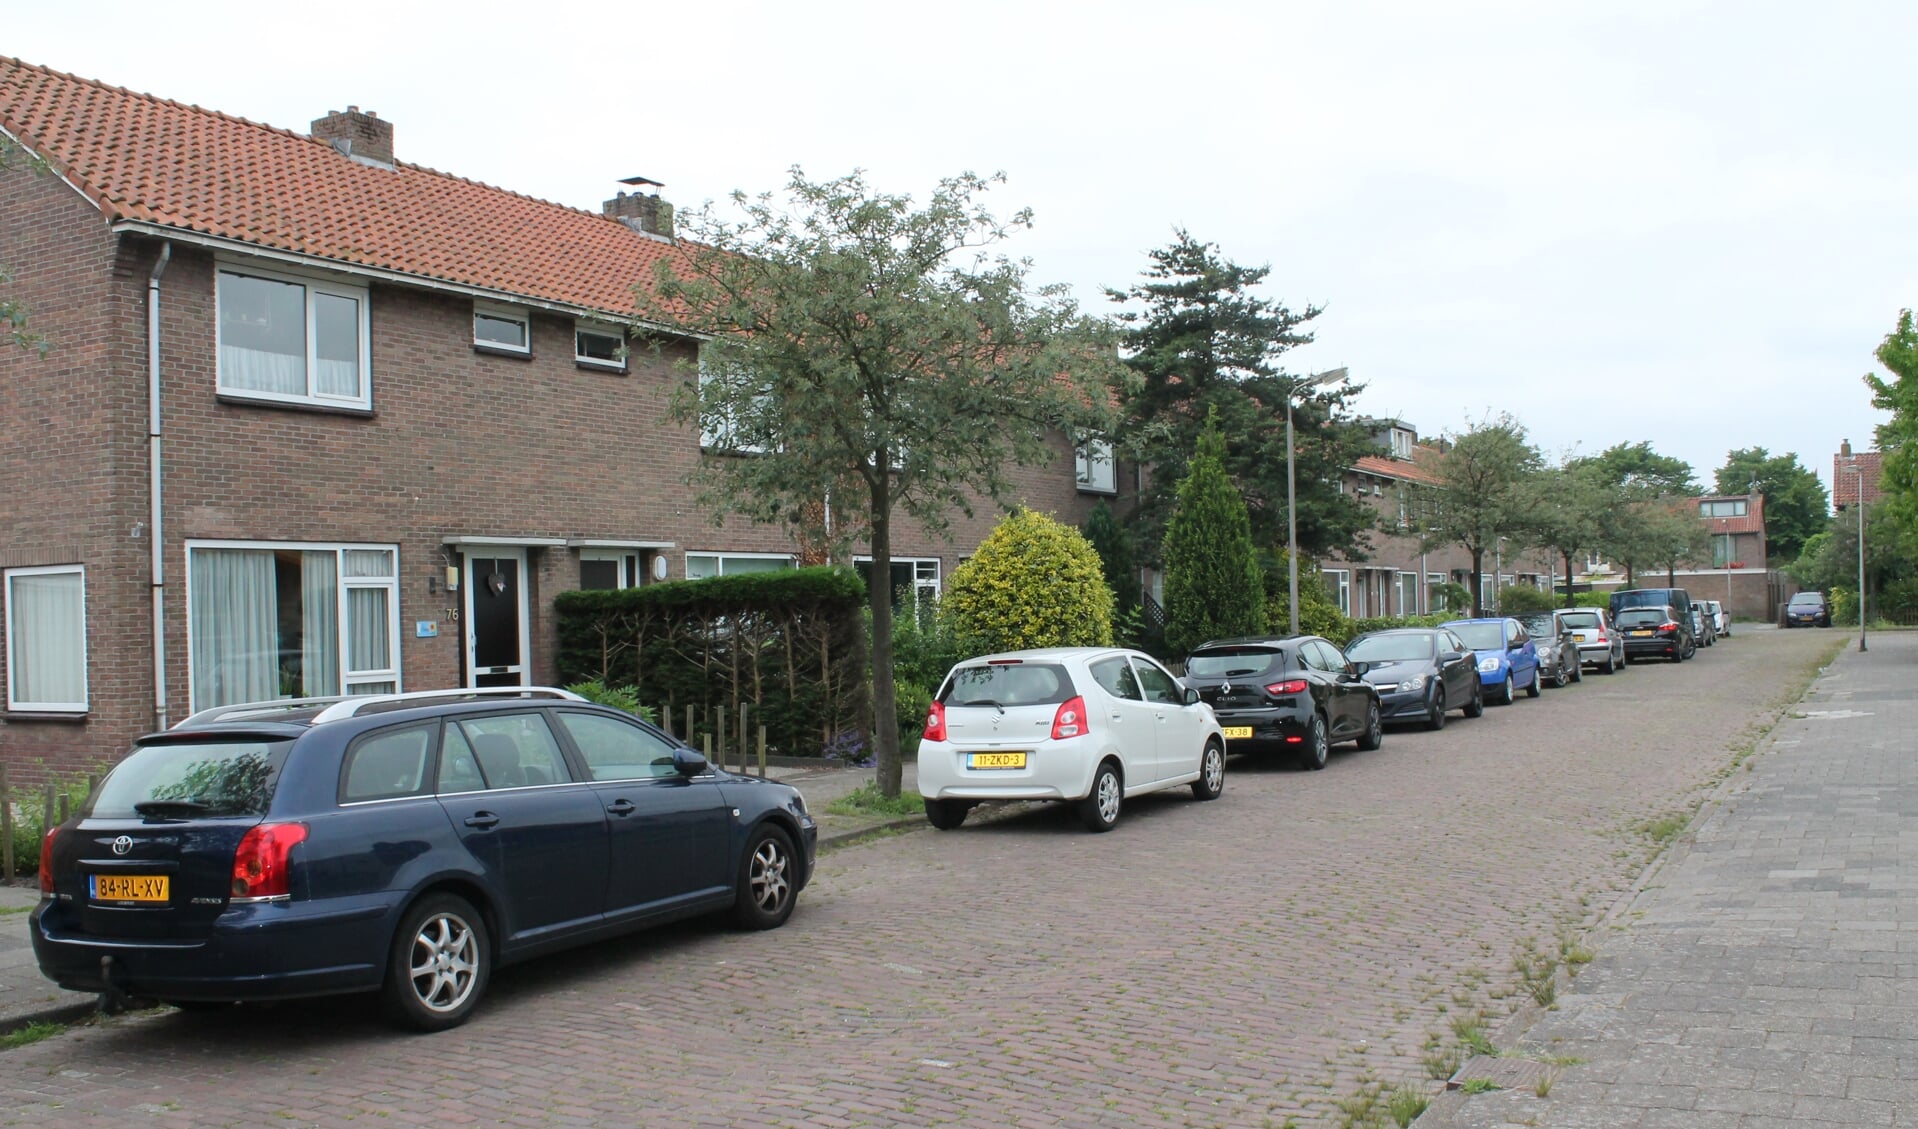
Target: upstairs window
(507,330)
(598,346)
(723,426)
(1401,443)
(1094,469)
(292,339)
(1734,507)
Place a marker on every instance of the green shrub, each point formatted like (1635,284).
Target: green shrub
(1523,599)
(1033,583)
(1318,613)
(1454,597)
(1844,607)
(619,697)
(28,807)
(1213,585)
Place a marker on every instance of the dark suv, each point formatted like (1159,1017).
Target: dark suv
(1293,694)
(406,844)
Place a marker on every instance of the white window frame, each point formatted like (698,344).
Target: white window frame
(343,641)
(313,283)
(618,557)
(503,313)
(1729,543)
(925,575)
(1399,582)
(1432,580)
(1340,582)
(720,559)
(1401,443)
(1093,468)
(1724,507)
(15,662)
(716,435)
(599,329)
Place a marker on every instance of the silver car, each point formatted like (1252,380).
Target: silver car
(1600,645)
(1721,619)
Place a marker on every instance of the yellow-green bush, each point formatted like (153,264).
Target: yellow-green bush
(1033,583)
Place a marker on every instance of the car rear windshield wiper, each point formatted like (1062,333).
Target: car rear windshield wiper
(1244,670)
(162,809)
(981,702)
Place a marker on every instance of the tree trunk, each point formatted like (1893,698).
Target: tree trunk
(1478,582)
(885,703)
(1568,580)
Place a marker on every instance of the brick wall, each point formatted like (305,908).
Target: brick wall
(459,443)
(73,463)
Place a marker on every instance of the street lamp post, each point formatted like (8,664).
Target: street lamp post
(1858,499)
(1291,493)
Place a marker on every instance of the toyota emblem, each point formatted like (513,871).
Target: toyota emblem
(122,845)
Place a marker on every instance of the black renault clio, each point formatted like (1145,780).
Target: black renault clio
(403,844)
(1292,694)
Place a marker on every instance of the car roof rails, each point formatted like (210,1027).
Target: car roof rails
(252,710)
(354,705)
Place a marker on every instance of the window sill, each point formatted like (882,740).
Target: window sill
(609,367)
(503,351)
(1103,492)
(57,716)
(239,401)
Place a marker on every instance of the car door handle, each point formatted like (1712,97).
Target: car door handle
(621,807)
(484,820)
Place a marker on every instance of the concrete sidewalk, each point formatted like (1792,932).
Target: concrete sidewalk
(28,997)
(1767,973)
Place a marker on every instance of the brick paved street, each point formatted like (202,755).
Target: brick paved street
(1239,963)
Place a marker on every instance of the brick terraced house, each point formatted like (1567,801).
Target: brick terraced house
(314,421)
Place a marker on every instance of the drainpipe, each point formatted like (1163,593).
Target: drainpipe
(155,531)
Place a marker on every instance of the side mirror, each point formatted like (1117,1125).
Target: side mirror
(1450,657)
(688,763)
(1191,696)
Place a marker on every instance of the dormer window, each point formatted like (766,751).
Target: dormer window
(502,329)
(1401,443)
(1092,463)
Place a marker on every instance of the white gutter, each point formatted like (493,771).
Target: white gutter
(239,247)
(155,514)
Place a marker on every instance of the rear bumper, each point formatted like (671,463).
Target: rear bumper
(265,952)
(1639,647)
(1595,654)
(1272,729)
(1051,773)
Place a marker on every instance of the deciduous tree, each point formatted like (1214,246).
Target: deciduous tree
(880,354)
(1796,504)
(1898,436)
(1486,489)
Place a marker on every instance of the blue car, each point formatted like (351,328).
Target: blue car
(1507,657)
(404,844)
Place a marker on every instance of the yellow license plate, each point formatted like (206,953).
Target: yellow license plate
(995,760)
(130,887)
(1234,732)
(1638,634)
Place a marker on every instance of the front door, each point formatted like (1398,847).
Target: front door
(496,620)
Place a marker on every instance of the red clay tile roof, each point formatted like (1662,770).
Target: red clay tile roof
(1417,469)
(145,159)
(1845,484)
(1752,522)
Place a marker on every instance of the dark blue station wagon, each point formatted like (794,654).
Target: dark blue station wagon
(405,844)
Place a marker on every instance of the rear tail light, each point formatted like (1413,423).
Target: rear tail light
(1289,686)
(260,871)
(935,722)
(1070,721)
(46,860)
(1667,628)
(1602,638)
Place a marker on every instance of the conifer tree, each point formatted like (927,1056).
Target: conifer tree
(1213,585)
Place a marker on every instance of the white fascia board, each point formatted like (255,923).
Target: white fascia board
(504,542)
(603,543)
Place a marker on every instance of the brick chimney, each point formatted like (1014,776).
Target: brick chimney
(363,137)
(646,214)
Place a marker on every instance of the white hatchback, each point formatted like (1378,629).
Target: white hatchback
(1087,725)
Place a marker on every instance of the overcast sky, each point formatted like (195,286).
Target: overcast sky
(1682,222)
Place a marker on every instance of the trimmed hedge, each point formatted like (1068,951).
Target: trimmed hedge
(789,645)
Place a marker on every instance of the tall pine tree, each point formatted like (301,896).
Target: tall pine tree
(1206,347)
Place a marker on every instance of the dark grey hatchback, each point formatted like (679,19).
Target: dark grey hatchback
(406,844)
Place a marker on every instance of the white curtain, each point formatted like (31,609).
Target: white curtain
(366,621)
(319,613)
(257,370)
(235,656)
(49,636)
